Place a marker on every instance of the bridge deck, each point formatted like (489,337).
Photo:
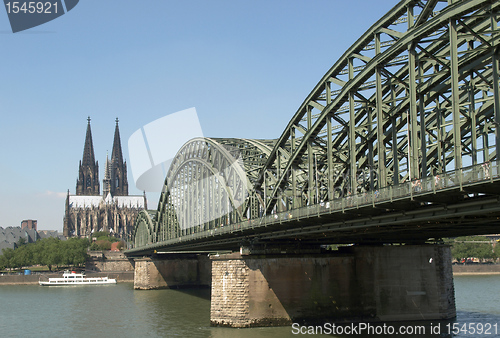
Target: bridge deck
(457,203)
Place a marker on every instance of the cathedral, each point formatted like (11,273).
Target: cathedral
(114,211)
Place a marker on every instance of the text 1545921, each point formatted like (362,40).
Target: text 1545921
(31,7)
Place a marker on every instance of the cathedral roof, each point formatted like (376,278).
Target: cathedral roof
(84,201)
(95,201)
(129,201)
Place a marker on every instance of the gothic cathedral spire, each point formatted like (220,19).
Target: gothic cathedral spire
(119,182)
(88,172)
(106,182)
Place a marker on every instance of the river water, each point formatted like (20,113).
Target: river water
(120,311)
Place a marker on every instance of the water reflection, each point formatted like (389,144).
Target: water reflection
(121,311)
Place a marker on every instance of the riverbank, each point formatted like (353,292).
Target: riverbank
(476,269)
(128,276)
(121,277)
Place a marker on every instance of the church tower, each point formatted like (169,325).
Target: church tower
(118,184)
(88,172)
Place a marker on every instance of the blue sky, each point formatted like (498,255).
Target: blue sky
(246,66)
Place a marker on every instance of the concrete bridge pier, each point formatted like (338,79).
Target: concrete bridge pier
(172,271)
(358,283)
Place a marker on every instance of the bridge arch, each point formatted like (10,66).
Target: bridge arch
(416,96)
(413,97)
(143,233)
(208,185)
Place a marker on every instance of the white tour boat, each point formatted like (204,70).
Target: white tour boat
(73,278)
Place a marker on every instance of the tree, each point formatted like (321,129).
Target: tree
(47,251)
(75,251)
(23,256)
(472,246)
(101,244)
(21,242)
(7,255)
(6,258)
(102,241)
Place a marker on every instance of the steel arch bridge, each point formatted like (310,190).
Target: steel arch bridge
(409,116)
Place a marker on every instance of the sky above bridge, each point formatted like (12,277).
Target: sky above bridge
(246,66)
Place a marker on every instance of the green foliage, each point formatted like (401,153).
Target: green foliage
(98,234)
(102,244)
(23,256)
(104,236)
(102,241)
(47,251)
(471,246)
(6,258)
(21,242)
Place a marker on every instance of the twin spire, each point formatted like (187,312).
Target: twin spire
(116,153)
(88,150)
(115,173)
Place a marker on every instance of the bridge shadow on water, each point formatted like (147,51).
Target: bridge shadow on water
(202,292)
(196,304)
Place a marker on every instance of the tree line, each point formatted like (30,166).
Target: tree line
(466,247)
(48,251)
(479,247)
(73,252)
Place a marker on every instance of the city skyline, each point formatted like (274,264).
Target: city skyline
(245,67)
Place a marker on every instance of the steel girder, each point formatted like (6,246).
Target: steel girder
(209,185)
(413,97)
(143,233)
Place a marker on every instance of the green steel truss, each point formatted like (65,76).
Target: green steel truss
(414,98)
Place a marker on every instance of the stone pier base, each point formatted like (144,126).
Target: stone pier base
(359,283)
(172,271)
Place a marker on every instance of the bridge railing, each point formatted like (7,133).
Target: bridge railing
(430,185)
